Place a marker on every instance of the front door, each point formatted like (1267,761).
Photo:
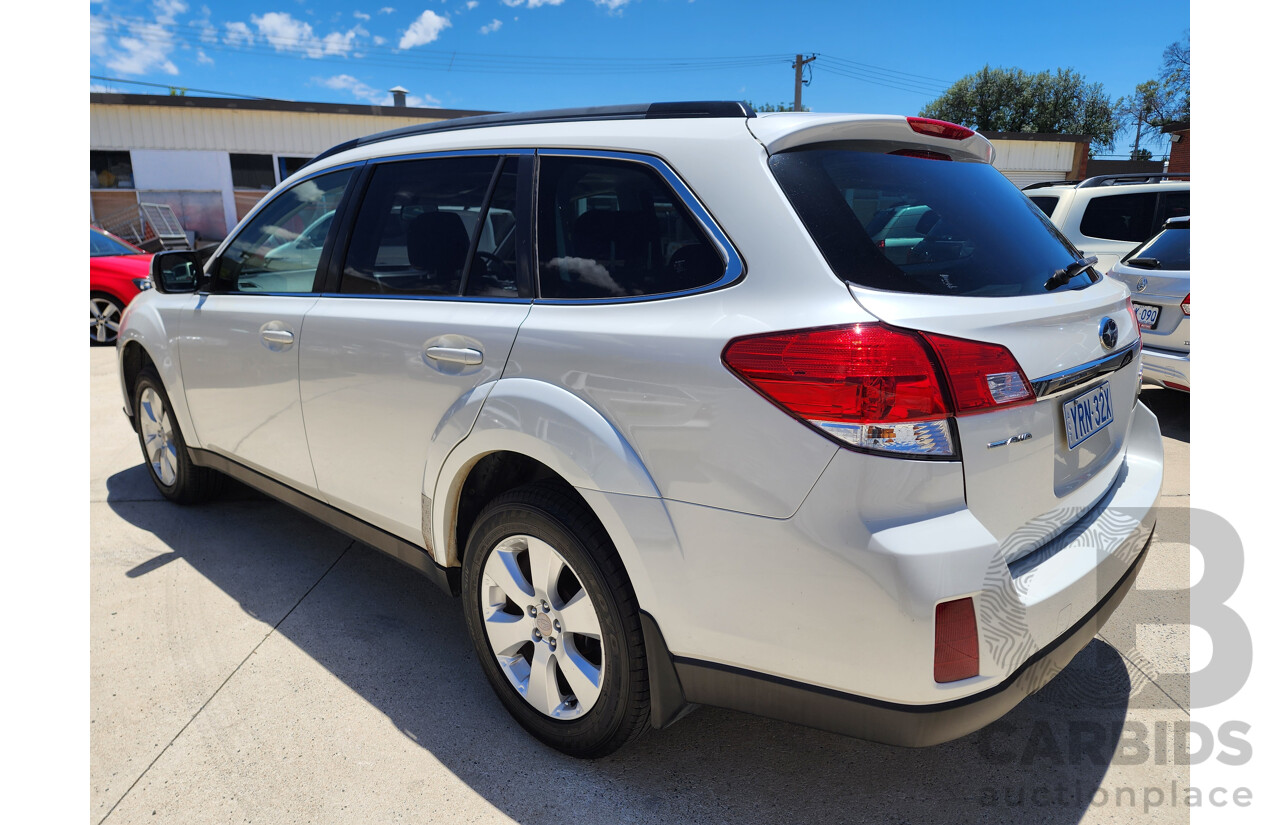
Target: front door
(238,341)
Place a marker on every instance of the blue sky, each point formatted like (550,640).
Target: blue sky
(534,54)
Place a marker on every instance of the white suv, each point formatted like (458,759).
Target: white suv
(1107,216)
(639,386)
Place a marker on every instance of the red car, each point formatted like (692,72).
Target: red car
(117,272)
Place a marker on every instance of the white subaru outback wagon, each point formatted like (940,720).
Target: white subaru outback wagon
(651,391)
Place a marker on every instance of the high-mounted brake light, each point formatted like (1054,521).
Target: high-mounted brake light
(939,128)
(955,641)
(1186,305)
(921,153)
(879,388)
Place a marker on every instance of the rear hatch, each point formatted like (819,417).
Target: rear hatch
(981,264)
(1158,275)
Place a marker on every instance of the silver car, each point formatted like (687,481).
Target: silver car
(1158,274)
(639,385)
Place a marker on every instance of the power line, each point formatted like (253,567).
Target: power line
(175,86)
(878,82)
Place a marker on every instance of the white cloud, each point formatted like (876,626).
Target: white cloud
(533,4)
(359,15)
(491,27)
(289,35)
(378,41)
(613,6)
(238,33)
(363,91)
(202,58)
(426,29)
(137,46)
(386,10)
(471,4)
(167,11)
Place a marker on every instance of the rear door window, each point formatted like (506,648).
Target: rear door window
(1130,217)
(911,224)
(614,229)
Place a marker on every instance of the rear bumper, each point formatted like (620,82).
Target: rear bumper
(891,723)
(1162,367)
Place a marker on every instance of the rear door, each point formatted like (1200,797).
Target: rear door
(414,328)
(985,271)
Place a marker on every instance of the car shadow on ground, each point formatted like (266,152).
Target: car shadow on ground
(401,644)
(1173,408)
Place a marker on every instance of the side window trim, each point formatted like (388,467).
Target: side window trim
(211,265)
(335,253)
(330,288)
(735,267)
(485,203)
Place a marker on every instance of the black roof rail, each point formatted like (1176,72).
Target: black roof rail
(638,111)
(1132,177)
(1045,183)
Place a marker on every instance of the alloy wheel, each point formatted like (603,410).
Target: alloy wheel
(157,437)
(542,627)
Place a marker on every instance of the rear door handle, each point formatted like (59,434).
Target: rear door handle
(456,355)
(277,336)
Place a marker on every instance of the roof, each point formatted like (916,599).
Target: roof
(268,105)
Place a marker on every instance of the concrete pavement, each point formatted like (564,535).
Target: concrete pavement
(250,665)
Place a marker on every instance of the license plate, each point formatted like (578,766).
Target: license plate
(1147,315)
(1087,414)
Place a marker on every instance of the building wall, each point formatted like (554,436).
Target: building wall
(113,126)
(1180,153)
(180,153)
(1026,160)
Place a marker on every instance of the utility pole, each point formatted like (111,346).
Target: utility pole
(801,62)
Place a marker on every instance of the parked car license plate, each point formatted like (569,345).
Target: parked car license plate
(1087,414)
(1147,315)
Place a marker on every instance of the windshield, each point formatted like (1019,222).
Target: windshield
(100,245)
(933,227)
(1170,250)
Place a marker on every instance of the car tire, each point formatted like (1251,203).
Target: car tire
(164,451)
(565,655)
(104,319)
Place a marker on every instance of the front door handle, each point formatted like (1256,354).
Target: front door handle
(456,355)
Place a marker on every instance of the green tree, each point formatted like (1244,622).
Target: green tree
(1156,103)
(1012,100)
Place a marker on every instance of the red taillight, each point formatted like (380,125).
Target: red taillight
(866,373)
(1186,305)
(877,387)
(939,128)
(955,641)
(981,376)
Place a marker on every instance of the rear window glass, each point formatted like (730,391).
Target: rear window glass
(1170,250)
(1047,203)
(612,228)
(1120,217)
(924,226)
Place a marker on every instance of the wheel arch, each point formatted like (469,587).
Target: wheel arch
(145,341)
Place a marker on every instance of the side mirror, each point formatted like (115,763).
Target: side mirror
(178,271)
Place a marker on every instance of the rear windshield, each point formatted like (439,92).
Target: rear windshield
(1170,250)
(925,226)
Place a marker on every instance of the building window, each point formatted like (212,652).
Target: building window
(289,165)
(110,170)
(252,172)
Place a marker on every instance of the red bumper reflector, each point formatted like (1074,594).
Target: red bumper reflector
(955,641)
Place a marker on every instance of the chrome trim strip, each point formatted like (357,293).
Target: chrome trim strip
(1059,381)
